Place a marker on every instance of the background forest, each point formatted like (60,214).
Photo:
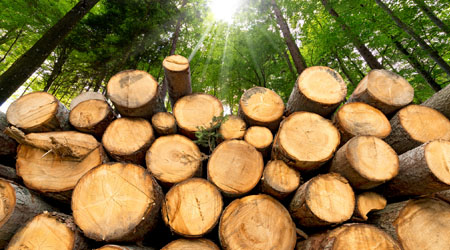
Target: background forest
(231,45)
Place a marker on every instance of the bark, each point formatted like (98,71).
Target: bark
(12,45)
(440,101)
(7,145)
(424,7)
(289,63)
(176,34)
(57,68)
(9,173)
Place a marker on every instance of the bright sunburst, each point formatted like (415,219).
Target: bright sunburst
(224,9)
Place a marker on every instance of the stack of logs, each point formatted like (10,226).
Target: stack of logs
(312,174)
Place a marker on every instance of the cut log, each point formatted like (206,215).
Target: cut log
(319,90)
(8,173)
(323,200)
(7,145)
(261,107)
(366,162)
(53,175)
(134,93)
(423,170)
(127,139)
(38,112)
(117,247)
(17,206)
(196,111)
(164,123)
(197,244)
(85,96)
(49,231)
(235,167)
(178,77)
(305,141)
(440,101)
(358,118)
(279,180)
(116,202)
(233,128)
(173,158)
(384,90)
(351,237)
(192,208)
(444,195)
(256,222)
(368,202)
(259,137)
(91,116)
(411,128)
(417,224)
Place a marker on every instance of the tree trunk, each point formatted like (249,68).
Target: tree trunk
(177,76)
(203,244)
(424,7)
(23,67)
(297,57)
(233,128)
(368,202)
(289,63)
(176,34)
(433,54)
(12,45)
(92,116)
(7,145)
(57,67)
(261,138)
(440,101)
(345,70)
(279,180)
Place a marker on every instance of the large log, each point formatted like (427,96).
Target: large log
(440,101)
(417,224)
(319,90)
(366,162)
(423,170)
(384,90)
(91,116)
(116,202)
(305,141)
(18,205)
(178,77)
(358,118)
(196,111)
(117,247)
(260,106)
(368,202)
(164,123)
(38,112)
(233,128)
(256,222)
(127,139)
(85,96)
(323,200)
(174,158)
(235,167)
(7,145)
(49,231)
(197,244)
(411,128)
(259,137)
(279,180)
(192,208)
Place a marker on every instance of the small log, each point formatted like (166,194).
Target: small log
(178,77)
(197,244)
(439,101)
(261,138)
(319,90)
(192,208)
(134,93)
(117,247)
(18,205)
(411,128)
(196,111)
(423,170)
(53,175)
(49,231)
(279,180)
(116,202)
(233,128)
(173,158)
(305,141)
(358,118)
(368,202)
(8,146)
(85,96)
(323,200)
(256,222)
(8,173)
(260,106)
(164,123)
(416,224)
(127,139)
(235,167)
(366,162)
(91,116)
(384,90)
(38,112)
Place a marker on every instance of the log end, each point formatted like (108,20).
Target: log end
(198,244)
(233,128)
(164,123)
(436,155)
(261,106)
(279,180)
(368,202)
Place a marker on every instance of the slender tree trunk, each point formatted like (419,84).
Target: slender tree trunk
(176,34)
(355,66)
(360,46)
(12,45)
(57,68)
(345,70)
(297,57)
(433,54)
(288,61)
(23,67)
(423,6)
(100,79)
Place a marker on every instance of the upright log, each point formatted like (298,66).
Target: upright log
(178,77)
(319,90)
(279,180)
(411,128)
(233,128)
(439,101)
(198,244)
(7,145)
(164,123)
(259,137)
(368,202)
(91,116)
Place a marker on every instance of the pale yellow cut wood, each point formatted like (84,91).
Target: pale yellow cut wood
(192,208)
(173,158)
(368,202)
(178,77)
(85,96)
(305,141)
(279,180)
(233,128)
(116,202)
(259,137)
(91,116)
(235,167)
(117,247)
(191,244)
(256,222)
(260,106)
(164,123)
(358,118)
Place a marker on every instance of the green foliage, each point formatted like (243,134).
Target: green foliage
(210,137)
